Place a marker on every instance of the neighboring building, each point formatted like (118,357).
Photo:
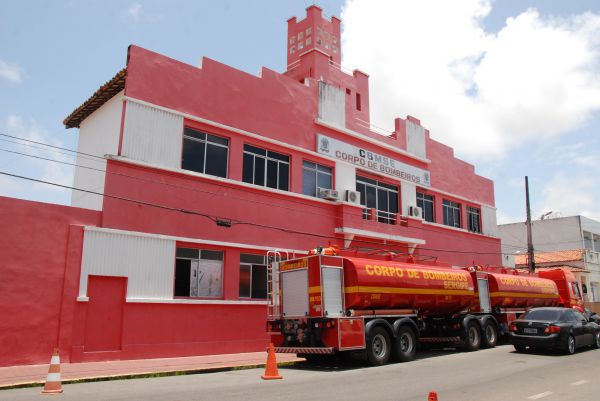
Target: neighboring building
(572,242)
(209,169)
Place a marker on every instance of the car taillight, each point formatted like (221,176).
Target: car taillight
(552,329)
(512,327)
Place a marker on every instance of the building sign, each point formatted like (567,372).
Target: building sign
(371,160)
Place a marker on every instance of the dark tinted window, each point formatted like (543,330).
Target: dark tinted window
(266,168)
(315,176)
(379,196)
(425,202)
(204,153)
(543,314)
(451,213)
(182,278)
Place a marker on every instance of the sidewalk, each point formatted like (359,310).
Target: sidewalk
(70,372)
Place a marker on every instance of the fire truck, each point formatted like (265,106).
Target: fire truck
(383,309)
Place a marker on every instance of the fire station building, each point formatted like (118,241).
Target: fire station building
(190,178)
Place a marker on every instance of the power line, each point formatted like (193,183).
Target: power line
(232,221)
(58,149)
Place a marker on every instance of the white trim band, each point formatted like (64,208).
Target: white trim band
(191,240)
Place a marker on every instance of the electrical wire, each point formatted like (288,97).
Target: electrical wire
(233,222)
(99,158)
(86,155)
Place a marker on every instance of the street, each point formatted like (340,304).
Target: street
(490,375)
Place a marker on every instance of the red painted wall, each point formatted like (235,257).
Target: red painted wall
(33,243)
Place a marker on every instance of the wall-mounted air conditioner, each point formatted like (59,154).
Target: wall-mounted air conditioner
(353,197)
(329,194)
(415,211)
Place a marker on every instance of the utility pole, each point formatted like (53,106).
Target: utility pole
(529,237)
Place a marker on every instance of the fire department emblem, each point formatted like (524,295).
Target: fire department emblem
(427,178)
(324,145)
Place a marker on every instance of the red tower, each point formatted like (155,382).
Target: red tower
(314,33)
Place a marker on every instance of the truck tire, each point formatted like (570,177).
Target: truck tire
(489,337)
(405,345)
(379,346)
(473,337)
(596,343)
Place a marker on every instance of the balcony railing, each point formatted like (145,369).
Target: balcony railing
(379,215)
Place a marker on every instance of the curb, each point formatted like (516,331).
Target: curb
(145,375)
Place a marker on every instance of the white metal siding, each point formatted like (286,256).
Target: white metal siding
(489,225)
(98,135)
(152,135)
(147,262)
(294,292)
(332,105)
(408,196)
(332,291)
(415,139)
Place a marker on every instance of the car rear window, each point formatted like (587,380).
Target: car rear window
(542,314)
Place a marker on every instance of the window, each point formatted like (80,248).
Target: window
(198,273)
(308,31)
(474,219)
(575,289)
(425,202)
(358,105)
(308,41)
(292,50)
(266,168)
(300,46)
(451,213)
(204,153)
(292,40)
(315,176)
(379,196)
(300,36)
(253,276)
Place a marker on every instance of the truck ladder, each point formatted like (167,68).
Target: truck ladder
(273,302)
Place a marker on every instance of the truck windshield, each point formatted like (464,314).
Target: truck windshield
(542,314)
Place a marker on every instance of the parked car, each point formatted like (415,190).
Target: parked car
(554,328)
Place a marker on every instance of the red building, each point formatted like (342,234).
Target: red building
(202,172)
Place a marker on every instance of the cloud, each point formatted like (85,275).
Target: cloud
(11,72)
(135,11)
(483,93)
(21,127)
(567,195)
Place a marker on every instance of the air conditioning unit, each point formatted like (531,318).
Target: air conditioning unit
(415,211)
(329,194)
(353,197)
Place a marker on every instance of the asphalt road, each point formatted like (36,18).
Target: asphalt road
(488,375)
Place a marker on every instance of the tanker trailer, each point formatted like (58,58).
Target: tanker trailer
(382,309)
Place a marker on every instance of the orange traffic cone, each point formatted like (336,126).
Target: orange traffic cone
(432,396)
(53,385)
(271,368)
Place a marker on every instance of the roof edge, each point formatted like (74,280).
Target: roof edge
(106,92)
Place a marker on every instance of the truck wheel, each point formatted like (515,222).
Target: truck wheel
(596,340)
(570,347)
(378,346)
(473,340)
(489,339)
(405,346)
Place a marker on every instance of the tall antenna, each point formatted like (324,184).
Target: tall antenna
(530,255)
